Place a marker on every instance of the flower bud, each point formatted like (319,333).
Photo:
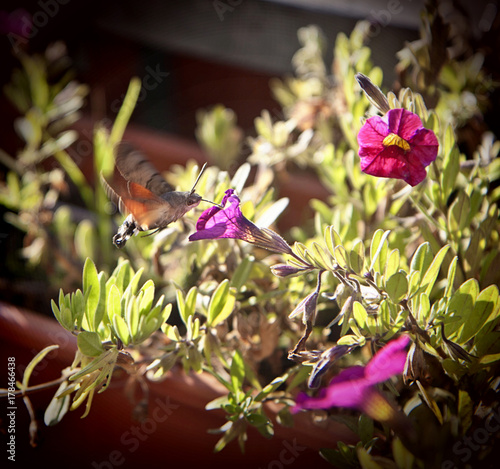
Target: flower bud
(373,93)
(325,362)
(285,270)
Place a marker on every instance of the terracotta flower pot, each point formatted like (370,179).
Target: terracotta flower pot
(174,432)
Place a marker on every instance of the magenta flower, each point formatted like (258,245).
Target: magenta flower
(355,387)
(397,146)
(228,222)
(16,23)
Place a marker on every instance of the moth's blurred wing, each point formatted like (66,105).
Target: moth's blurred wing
(146,207)
(114,196)
(134,167)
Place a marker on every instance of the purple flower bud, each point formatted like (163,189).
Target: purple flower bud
(285,270)
(325,362)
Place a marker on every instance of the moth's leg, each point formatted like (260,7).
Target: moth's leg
(127,229)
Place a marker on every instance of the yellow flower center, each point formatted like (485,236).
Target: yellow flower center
(393,139)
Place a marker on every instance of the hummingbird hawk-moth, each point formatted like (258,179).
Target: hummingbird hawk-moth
(149,201)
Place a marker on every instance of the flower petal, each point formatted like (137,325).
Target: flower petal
(388,361)
(216,222)
(345,390)
(390,162)
(425,146)
(403,123)
(371,135)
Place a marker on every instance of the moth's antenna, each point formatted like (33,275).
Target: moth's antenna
(198,178)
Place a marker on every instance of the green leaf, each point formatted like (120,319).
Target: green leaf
(271,213)
(402,457)
(237,372)
(101,303)
(341,257)
(63,316)
(465,410)
(332,239)
(489,359)
(459,212)
(349,340)
(366,461)
(432,272)
(34,362)
(125,111)
(422,259)
(191,299)
(431,403)
(452,270)
(485,303)
(217,301)
(58,406)
(78,307)
(113,303)
(262,423)
(105,361)
(451,168)
(84,239)
(132,316)
(357,257)
(385,314)
(423,308)
(413,284)
(121,329)
(146,302)
(378,251)
(370,199)
(397,286)
(122,275)
(257,419)
(392,264)
(240,177)
(365,428)
(231,432)
(321,258)
(89,344)
(92,291)
(242,272)
(131,288)
(271,387)
(359,313)
(217,403)
(461,305)
(221,304)
(181,305)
